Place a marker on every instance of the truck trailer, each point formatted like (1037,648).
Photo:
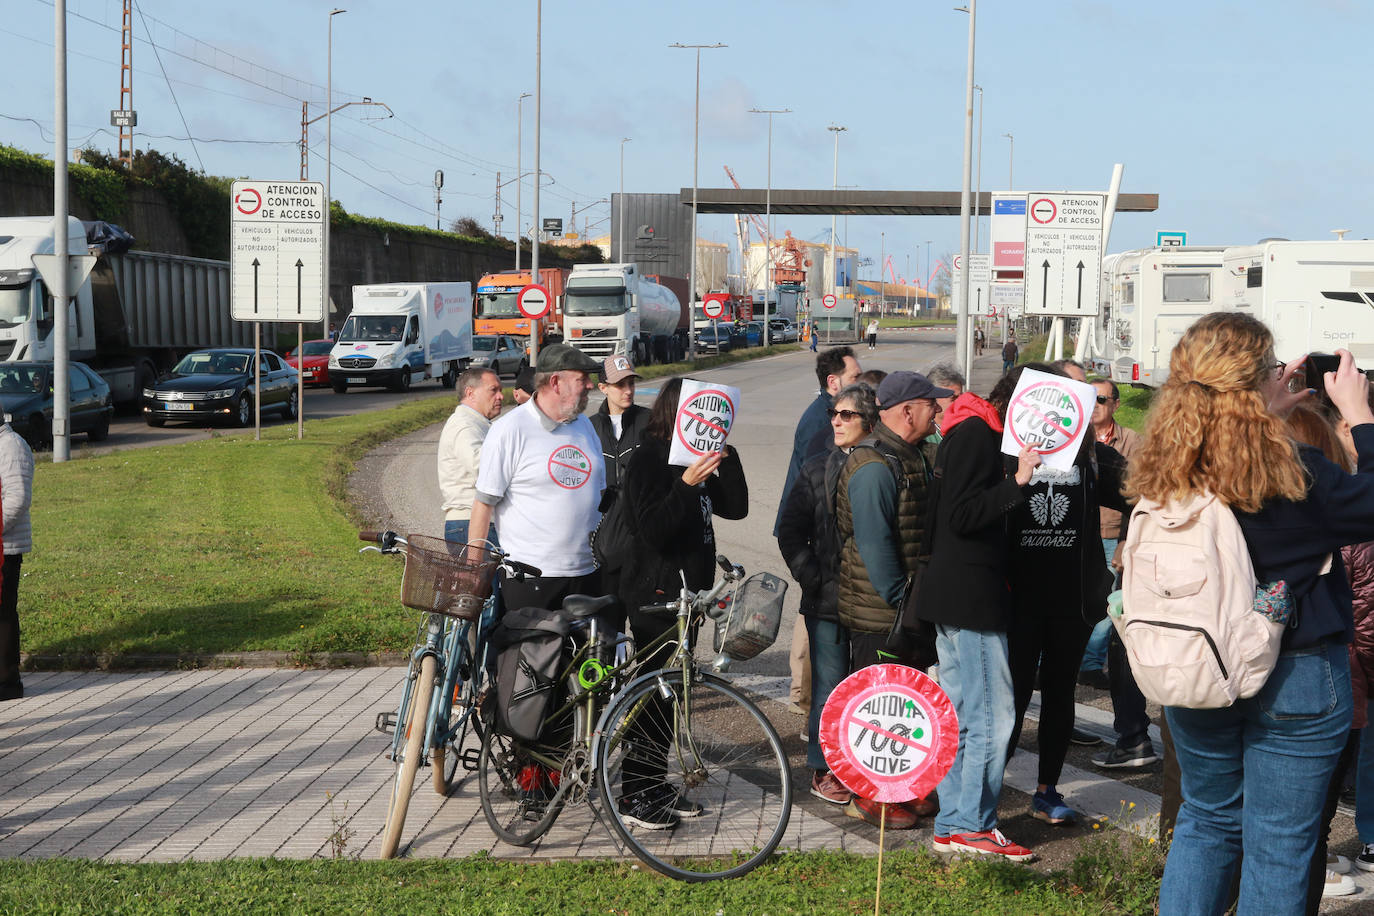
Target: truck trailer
(137,313)
(398,333)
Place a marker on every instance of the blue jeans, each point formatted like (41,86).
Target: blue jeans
(829,645)
(1254,777)
(974,671)
(1364,786)
(1095,655)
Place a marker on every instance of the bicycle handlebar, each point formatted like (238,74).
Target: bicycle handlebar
(521,569)
(373,536)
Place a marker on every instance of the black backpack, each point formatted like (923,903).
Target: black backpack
(529,646)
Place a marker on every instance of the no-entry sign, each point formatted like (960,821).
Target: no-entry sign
(829,300)
(713,306)
(889,733)
(533,301)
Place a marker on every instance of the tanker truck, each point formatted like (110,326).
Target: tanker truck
(613,310)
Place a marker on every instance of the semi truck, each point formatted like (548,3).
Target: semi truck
(612,309)
(1315,296)
(495,311)
(137,313)
(399,333)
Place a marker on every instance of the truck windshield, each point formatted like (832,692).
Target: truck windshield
(372,327)
(14,305)
(497,305)
(595,301)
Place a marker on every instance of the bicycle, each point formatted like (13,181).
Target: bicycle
(676,726)
(449,655)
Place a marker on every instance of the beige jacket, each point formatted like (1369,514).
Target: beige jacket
(460,450)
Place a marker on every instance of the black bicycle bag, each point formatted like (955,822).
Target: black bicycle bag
(529,646)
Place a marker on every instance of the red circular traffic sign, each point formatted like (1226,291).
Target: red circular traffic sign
(889,733)
(1043,211)
(533,301)
(713,306)
(829,300)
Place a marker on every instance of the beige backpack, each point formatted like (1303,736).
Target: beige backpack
(1188,620)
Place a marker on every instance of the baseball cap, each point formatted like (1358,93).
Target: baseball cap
(524,380)
(560,357)
(903,386)
(616,369)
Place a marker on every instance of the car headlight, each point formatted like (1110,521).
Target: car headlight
(333,361)
(219,393)
(386,362)
(149,393)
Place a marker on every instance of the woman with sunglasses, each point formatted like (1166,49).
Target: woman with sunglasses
(1255,774)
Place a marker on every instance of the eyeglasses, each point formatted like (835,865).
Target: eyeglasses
(1103,399)
(848,416)
(1279,367)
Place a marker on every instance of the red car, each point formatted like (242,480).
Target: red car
(315,367)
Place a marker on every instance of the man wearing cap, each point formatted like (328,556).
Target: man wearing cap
(460,447)
(541,480)
(619,424)
(523,389)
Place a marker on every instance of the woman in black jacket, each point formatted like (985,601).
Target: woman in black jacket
(671,509)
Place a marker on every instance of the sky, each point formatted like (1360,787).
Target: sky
(1246,118)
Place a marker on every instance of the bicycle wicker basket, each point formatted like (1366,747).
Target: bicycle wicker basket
(755,614)
(441,579)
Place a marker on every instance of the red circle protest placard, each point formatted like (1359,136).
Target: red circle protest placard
(569,467)
(1046,417)
(889,733)
(703,421)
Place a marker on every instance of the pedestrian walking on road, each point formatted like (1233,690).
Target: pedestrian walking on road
(1010,351)
(1216,428)
(873,334)
(16,492)
(814,336)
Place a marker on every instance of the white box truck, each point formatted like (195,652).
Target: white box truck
(612,309)
(133,318)
(400,333)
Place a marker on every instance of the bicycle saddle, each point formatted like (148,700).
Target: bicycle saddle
(579,606)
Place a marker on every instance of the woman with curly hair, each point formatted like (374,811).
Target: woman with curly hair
(1255,774)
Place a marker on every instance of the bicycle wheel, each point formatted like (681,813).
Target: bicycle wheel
(416,721)
(453,709)
(518,785)
(720,756)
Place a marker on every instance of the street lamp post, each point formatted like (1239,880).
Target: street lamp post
(536,326)
(929,272)
(978,183)
(834,186)
(1011,160)
(692,240)
(328,163)
(768,217)
(620,223)
(963,335)
(519,175)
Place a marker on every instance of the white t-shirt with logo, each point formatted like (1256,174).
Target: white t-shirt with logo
(545,486)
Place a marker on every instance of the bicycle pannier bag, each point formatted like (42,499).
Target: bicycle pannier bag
(1189,620)
(755,613)
(528,643)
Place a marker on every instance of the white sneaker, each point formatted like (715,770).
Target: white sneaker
(1337,885)
(1339,864)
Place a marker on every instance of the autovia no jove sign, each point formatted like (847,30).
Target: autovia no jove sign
(1050,415)
(706,412)
(889,733)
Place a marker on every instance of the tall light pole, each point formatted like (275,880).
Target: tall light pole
(536,326)
(834,186)
(1011,160)
(929,272)
(620,223)
(328,163)
(519,175)
(962,335)
(691,305)
(61,441)
(768,217)
(978,184)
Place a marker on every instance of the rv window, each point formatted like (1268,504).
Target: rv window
(1187,287)
(1128,292)
(1254,277)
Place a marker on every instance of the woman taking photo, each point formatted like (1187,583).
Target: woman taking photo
(1255,774)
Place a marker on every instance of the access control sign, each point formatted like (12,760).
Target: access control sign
(1064,253)
(276,260)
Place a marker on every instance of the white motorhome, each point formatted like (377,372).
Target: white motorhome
(1149,298)
(403,332)
(1314,296)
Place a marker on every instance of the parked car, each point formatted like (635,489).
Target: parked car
(781,330)
(26,397)
(315,364)
(218,385)
(749,334)
(504,355)
(714,339)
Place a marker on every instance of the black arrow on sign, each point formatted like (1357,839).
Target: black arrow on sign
(1080,285)
(1045,287)
(300,264)
(255,286)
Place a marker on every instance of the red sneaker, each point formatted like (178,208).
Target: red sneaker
(870,812)
(924,807)
(940,844)
(990,843)
(829,789)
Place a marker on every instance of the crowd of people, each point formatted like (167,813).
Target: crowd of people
(916,540)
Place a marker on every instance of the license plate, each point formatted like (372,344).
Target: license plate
(357,381)
(309,373)
(178,405)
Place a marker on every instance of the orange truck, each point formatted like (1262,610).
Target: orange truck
(494,308)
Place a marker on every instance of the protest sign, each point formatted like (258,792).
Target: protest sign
(1050,415)
(706,412)
(889,733)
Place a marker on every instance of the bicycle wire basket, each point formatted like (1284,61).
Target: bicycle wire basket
(753,619)
(440,578)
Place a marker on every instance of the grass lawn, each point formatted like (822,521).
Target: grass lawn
(904,322)
(811,883)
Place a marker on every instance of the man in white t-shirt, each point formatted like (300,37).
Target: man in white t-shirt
(540,481)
